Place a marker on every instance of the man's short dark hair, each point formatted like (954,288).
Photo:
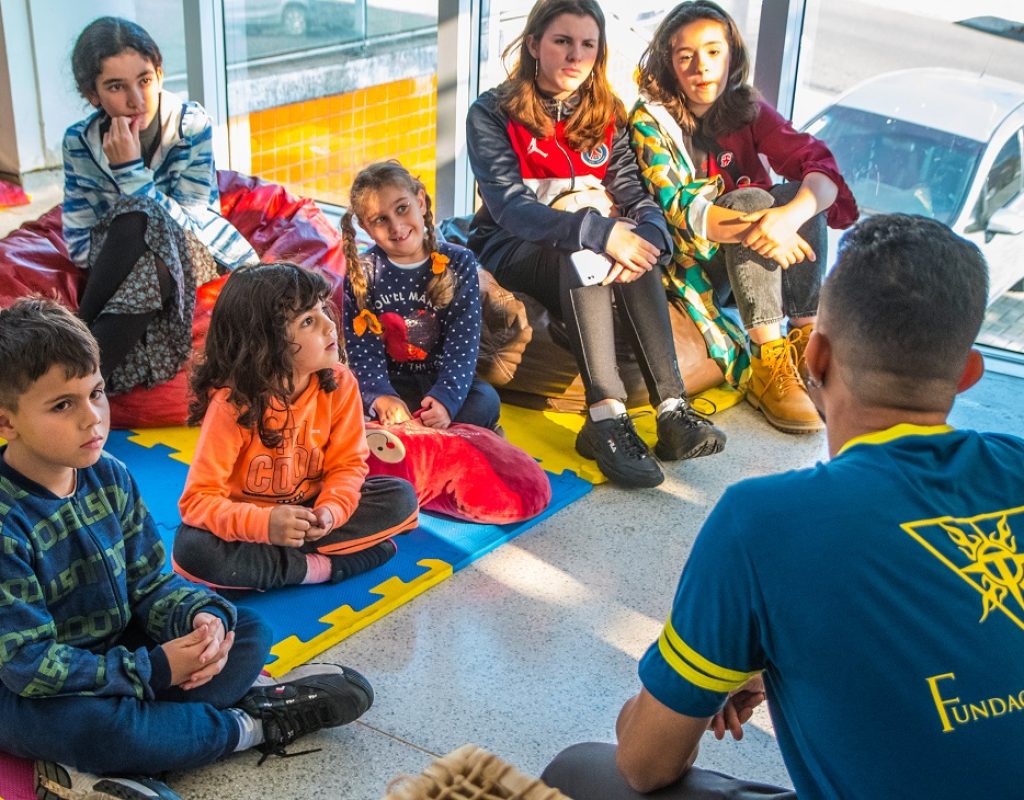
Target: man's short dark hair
(906,297)
(35,334)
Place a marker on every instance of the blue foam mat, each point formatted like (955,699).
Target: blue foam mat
(308,619)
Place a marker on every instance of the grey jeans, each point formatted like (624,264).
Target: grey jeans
(765,292)
(587,772)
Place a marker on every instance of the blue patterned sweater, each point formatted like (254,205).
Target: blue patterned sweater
(74,571)
(182,179)
(444,342)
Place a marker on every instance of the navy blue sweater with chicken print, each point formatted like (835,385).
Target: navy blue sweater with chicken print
(416,338)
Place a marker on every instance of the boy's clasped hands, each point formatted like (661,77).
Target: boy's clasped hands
(197,657)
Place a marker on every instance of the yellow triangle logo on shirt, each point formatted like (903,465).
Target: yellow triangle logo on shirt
(984,554)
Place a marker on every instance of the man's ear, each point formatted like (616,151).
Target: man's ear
(973,370)
(818,355)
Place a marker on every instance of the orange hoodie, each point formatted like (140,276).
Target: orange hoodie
(235,481)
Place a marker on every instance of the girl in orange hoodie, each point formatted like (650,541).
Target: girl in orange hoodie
(278,492)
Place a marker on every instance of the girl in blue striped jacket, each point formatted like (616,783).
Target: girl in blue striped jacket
(141,206)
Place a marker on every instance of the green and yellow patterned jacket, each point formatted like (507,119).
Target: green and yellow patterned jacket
(668,175)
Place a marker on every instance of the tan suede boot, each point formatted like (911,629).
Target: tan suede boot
(799,337)
(775,388)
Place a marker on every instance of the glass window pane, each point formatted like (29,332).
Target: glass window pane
(923,104)
(317,89)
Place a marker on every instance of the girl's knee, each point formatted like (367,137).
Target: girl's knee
(748,198)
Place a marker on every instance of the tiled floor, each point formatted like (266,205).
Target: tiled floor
(535,646)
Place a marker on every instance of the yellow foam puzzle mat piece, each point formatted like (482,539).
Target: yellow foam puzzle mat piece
(180,439)
(344,621)
(550,436)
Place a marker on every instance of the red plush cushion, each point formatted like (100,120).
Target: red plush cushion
(463,471)
(280,227)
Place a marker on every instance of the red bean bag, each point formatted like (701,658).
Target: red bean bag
(279,225)
(462,471)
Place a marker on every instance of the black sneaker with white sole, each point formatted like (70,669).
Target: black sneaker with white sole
(56,782)
(310,702)
(683,433)
(619,451)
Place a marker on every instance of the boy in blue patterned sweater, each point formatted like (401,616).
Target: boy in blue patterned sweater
(89,618)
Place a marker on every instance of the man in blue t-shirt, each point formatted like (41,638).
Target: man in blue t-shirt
(877,599)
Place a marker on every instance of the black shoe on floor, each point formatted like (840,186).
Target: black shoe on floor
(683,433)
(351,564)
(619,451)
(57,782)
(309,703)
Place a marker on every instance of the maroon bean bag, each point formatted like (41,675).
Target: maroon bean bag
(279,225)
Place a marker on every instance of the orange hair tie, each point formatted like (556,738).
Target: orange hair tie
(366,321)
(438,262)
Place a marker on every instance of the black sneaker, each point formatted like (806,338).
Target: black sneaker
(309,703)
(683,433)
(57,782)
(620,452)
(351,564)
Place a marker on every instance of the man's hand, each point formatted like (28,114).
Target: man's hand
(324,524)
(738,709)
(290,524)
(121,142)
(433,414)
(391,410)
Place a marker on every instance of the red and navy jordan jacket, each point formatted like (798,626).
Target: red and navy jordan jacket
(519,174)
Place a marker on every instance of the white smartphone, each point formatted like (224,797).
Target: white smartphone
(590,266)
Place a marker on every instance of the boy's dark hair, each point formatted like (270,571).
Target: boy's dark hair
(520,98)
(35,334)
(105,37)
(247,348)
(735,107)
(906,298)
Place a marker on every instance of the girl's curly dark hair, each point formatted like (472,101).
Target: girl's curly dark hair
(247,347)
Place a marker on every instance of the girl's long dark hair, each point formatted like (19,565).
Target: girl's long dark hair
(522,101)
(247,348)
(735,108)
(441,288)
(105,37)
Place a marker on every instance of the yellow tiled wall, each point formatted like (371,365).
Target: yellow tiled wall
(316,147)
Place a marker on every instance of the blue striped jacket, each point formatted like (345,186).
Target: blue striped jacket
(182,179)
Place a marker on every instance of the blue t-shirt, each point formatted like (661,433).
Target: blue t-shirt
(417,338)
(882,594)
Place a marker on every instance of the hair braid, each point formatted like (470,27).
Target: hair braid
(354,268)
(441,288)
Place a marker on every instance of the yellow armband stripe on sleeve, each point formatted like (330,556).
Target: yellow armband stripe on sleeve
(696,669)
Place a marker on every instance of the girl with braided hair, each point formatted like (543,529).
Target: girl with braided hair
(412,308)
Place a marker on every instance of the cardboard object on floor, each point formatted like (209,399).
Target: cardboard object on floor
(471,773)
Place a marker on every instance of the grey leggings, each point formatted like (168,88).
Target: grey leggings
(765,292)
(587,772)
